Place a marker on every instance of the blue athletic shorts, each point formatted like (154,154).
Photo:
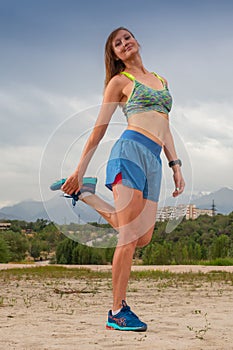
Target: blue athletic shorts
(138,160)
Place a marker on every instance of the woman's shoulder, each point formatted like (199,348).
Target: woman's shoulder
(118,81)
(114,88)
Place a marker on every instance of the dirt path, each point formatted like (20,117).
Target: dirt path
(40,314)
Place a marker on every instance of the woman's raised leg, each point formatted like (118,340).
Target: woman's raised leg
(106,210)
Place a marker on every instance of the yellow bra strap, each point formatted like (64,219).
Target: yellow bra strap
(128,75)
(160,78)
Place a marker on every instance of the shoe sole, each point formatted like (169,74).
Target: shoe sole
(115,327)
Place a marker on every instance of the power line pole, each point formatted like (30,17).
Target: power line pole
(213,208)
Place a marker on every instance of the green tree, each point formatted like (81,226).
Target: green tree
(4,251)
(157,254)
(64,251)
(37,247)
(51,234)
(220,247)
(197,252)
(96,257)
(17,243)
(39,225)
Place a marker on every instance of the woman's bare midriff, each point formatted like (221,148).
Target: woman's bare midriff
(152,124)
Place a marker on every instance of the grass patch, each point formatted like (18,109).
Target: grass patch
(60,272)
(219,262)
(52,272)
(188,277)
(212,262)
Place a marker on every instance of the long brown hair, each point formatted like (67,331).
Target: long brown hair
(113,65)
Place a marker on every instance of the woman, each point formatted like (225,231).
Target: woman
(134,167)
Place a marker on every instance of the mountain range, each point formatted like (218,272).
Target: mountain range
(60,210)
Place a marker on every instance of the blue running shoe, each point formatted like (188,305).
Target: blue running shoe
(125,320)
(89,185)
(57,184)
(90,182)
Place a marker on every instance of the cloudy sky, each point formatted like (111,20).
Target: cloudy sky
(52,72)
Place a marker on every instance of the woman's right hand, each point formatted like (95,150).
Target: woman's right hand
(179,182)
(72,184)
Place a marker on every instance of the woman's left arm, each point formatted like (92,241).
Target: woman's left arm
(170,152)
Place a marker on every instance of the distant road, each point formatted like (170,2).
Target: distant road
(171,268)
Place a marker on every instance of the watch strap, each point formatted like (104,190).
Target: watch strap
(175,162)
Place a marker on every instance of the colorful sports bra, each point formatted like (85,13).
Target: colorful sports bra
(144,98)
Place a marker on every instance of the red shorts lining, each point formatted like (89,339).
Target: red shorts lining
(118,179)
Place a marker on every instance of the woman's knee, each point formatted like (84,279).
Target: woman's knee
(145,239)
(126,248)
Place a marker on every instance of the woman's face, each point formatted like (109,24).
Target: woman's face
(124,45)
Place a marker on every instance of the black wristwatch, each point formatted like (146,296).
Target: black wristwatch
(175,162)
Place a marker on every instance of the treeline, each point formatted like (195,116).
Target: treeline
(193,241)
(28,240)
(70,252)
(42,240)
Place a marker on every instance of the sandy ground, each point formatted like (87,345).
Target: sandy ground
(41,314)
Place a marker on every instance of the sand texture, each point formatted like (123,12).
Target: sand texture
(69,313)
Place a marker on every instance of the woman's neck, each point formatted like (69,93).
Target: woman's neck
(135,65)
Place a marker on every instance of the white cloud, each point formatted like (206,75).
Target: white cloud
(29,115)
(207,133)
(205,122)
(30,119)
(19,178)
